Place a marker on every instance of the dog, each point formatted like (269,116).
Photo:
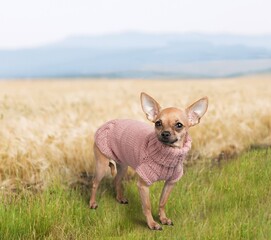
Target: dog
(155,154)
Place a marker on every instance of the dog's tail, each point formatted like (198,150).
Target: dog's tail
(112,166)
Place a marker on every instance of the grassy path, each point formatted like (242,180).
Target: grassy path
(232,201)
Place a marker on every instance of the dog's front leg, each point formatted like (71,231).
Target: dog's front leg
(163,200)
(146,204)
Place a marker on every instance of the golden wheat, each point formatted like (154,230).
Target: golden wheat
(47,126)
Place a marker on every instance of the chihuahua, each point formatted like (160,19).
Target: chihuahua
(155,155)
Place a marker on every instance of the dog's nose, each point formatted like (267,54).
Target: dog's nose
(165,134)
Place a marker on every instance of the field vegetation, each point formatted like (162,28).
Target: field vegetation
(230,201)
(47,126)
(46,160)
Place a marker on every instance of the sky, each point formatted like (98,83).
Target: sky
(31,23)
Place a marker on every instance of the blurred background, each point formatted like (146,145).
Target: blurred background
(134,39)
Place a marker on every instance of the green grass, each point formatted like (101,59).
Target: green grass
(232,201)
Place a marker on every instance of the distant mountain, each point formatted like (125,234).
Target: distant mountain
(141,55)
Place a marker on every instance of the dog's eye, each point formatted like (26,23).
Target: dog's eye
(179,125)
(158,123)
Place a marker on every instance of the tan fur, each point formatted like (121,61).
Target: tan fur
(169,118)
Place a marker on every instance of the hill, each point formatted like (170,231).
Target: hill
(141,55)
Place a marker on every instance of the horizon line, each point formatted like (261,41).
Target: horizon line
(144,32)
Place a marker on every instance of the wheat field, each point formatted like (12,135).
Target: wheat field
(47,126)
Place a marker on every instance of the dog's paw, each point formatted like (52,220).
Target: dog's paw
(93,205)
(155,226)
(122,200)
(166,221)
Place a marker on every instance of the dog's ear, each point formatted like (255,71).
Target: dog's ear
(196,111)
(150,107)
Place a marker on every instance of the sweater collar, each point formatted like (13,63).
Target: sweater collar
(166,155)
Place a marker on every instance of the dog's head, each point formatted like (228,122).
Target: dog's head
(172,124)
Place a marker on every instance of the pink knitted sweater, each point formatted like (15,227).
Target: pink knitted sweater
(135,144)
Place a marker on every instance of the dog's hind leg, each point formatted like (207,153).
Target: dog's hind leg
(102,164)
(121,171)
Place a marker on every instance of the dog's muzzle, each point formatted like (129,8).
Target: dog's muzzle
(165,138)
